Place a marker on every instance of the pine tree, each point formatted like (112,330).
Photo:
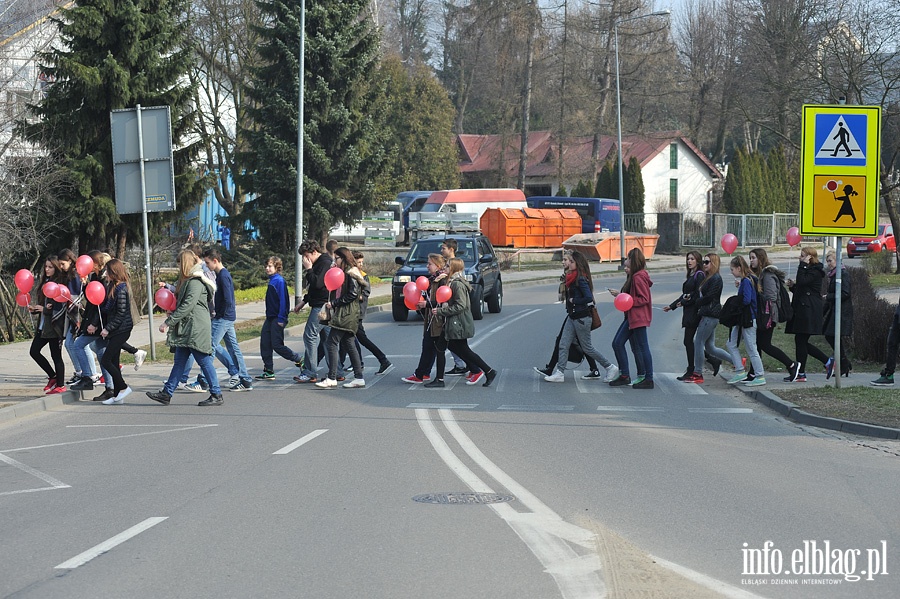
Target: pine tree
(113,55)
(778,180)
(607,182)
(344,145)
(734,184)
(582,190)
(634,188)
(561,192)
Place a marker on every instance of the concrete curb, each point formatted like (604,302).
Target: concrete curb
(36,406)
(799,416)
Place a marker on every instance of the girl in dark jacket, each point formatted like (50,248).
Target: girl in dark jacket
(51,328)
(87,332)
(458,328)
(690,290)
(846,314)
(709,305)
(437,276)
(343,329)
(579,303)
(635,324)
(73,283)
(117,325)
(808,308)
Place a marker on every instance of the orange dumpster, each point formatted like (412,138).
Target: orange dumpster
(607,246)
(529,227)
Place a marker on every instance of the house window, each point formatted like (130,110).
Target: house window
(673,194)
(673,156)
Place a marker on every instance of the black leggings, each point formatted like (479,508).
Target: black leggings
(804,348)
(110,359)
(764,344)
(58,370)
(461,348)
(689,333)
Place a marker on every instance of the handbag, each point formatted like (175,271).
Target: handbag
(595,319)
(325,315)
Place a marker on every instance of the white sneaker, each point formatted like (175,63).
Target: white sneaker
(118,399)
(355,383)
(139,357)
(234,380)
(327,384)
(558,376)
(181,385)
(612,373)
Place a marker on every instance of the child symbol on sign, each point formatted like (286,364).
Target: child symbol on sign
(846,205)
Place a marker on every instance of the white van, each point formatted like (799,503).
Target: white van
(474,200)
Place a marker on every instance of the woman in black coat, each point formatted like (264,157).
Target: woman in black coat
(690,291)
(846,314)
(808,306)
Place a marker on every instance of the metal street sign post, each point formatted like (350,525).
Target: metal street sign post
(144,175)
(839,182)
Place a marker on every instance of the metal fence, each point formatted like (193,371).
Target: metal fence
(702,229)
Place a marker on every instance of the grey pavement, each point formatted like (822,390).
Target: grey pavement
(22,380)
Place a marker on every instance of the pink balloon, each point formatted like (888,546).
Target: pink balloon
(410,304)
(624,302)
(422,283)
(443,294)
(63,294)
(729,243)
(50,290)
(95,292)
(24,280)
(165,299)
(411,292)
(84,265)
(22,299)
(793,236)
(334,278)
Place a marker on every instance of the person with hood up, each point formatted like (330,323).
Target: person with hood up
(634,326)
(345,318)
(189,330)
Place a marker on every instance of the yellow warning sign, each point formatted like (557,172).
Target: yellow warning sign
(839,201)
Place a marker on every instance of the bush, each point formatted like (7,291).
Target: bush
(871,318)
(879,263)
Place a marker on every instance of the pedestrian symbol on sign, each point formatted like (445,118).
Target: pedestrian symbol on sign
(840,140)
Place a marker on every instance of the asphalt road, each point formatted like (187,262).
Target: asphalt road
(291,491)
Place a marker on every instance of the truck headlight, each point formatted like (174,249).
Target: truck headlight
(402,279)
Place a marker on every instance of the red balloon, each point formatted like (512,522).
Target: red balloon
(334,278)
(24,280)
(50,290)
(84,265)
(793,236)
(22,299)
(95,292)
(624,302)
(422,283)
(411,292)
(409,304)
(165,299)
(729,243)
(443,294)
(63,294)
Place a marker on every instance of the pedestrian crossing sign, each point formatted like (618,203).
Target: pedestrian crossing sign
(839,171)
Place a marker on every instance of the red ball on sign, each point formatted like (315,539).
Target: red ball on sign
(832,185)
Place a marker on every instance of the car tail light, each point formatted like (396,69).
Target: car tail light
(597,227)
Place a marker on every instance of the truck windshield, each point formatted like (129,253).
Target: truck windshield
(419,252)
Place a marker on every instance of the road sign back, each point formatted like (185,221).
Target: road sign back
(839,173)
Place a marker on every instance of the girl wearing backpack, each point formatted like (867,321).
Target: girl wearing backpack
(747,292)
(688,301)
(770,283)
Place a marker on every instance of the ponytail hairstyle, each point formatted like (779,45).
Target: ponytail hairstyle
(713,268)
(739,262)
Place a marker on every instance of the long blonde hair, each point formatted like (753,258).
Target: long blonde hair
(456,265)
(187,260)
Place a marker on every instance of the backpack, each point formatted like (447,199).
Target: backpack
(785,310)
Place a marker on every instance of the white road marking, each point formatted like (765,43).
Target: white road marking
(543,531)
(629,409)
(289,448)
(98,550)
(449,406)
(731,592)
(500,327)
(720,410)
(54,484)
(536,408)
(182,427)
(597,387)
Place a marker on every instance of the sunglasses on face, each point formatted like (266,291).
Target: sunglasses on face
(706,262)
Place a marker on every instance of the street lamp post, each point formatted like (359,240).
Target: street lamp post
(298,262)
(618,22)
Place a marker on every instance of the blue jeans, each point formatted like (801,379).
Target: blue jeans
(749,335)
(640,347)
(99,347)
(81,360)
(230,355)
(705,340)
(207,367)
(311,334)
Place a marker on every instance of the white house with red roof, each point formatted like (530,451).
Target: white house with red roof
(677,176)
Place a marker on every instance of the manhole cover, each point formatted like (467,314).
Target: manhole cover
(464,498)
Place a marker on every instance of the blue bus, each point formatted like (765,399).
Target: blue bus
(597,214)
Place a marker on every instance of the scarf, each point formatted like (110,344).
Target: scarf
(570,277)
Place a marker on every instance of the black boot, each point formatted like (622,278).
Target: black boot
(215,399)
(85,383)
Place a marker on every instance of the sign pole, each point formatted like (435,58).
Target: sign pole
(140,132)
(837,312)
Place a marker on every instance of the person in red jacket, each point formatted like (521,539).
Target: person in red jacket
(634,326)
